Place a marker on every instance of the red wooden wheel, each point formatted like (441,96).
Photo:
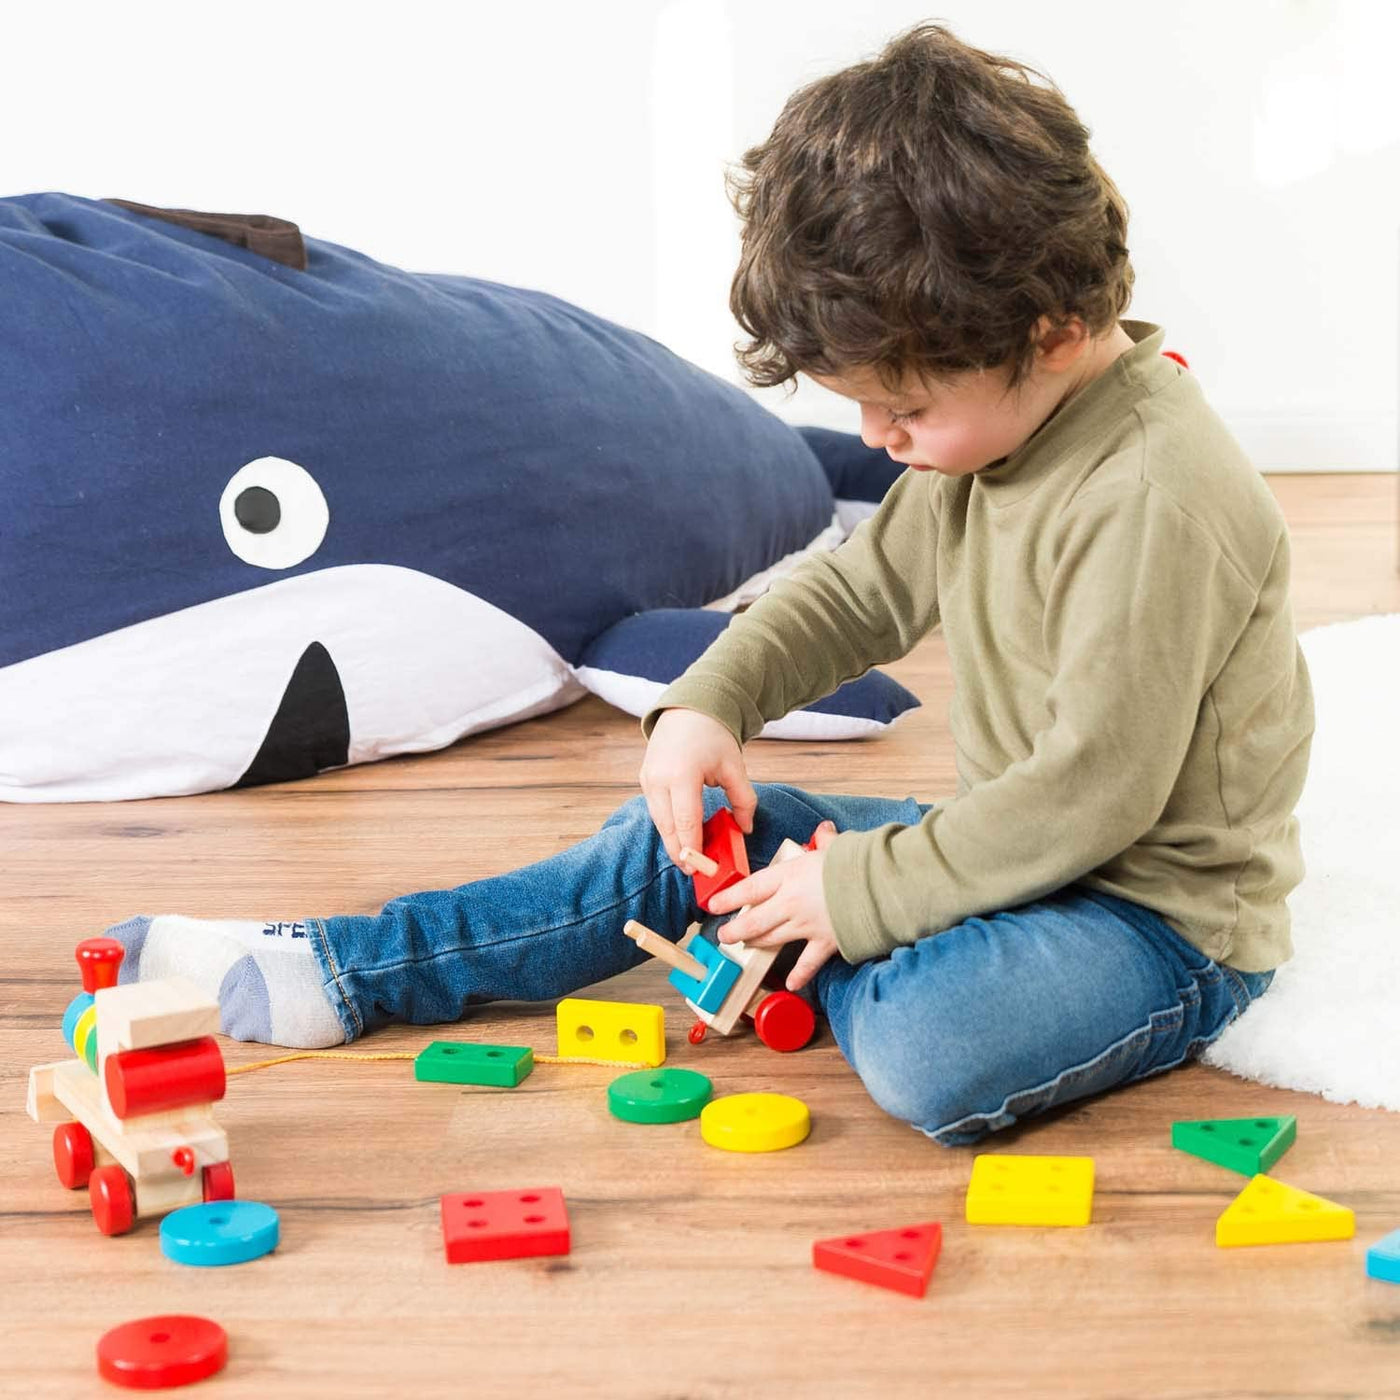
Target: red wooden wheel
(112,1205)
(218,1182)
(784,1021)
(72,1154)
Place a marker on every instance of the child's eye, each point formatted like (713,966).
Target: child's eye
(904,417)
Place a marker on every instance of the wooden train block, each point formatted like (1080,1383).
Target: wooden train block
(749,991)
(140,1147)
(754,964)
(652,942)
(168,1190)
(707,993)
(140,1015)
(41,1103)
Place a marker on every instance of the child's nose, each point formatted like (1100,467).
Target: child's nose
(876,430)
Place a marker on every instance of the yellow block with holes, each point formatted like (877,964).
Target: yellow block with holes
(1008,1190)
(755,1122)
(612,1030)
(1269,1212)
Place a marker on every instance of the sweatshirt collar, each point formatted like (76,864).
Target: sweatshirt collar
(1103,401)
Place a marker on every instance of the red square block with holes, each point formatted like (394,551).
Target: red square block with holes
(899,1259)
(724,844)
(504,1224)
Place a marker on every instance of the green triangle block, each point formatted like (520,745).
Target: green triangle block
(1249,1146)
(461,1062)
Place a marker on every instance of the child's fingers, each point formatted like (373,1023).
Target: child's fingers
(749,890)
(758,923)
(659,805)
(684,802)
(809,963)
(743,800)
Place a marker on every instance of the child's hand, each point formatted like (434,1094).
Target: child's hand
(787,903)
(686,751)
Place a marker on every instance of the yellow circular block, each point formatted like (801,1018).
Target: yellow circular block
(755,1122)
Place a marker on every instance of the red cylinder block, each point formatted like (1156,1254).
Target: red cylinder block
(165,1077)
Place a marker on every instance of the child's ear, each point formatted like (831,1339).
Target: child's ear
(1057,347)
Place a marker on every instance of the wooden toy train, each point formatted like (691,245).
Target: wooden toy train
(723,983)
(139,1131)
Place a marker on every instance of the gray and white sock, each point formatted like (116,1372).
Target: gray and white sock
(263,973)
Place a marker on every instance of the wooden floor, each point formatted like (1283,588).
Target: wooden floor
(690,1272)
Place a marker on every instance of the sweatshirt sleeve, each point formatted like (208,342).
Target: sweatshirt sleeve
(834,617)
(1141,613)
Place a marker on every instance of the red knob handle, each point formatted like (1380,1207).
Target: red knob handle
(99,959)
(183,1157)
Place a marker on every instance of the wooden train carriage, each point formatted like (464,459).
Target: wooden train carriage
(135,1109)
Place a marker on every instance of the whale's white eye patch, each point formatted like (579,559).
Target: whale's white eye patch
(273,513)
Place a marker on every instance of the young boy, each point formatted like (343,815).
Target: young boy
(928,235)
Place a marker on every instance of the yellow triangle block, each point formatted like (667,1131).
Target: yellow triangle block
(1008,1190)
(1268,1212)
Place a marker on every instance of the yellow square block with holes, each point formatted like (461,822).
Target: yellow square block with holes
(1268,1212)
(1007,1190)
(612,1030)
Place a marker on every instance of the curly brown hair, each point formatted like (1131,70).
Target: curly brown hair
(919,213)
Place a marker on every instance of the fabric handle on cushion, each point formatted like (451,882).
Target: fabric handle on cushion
(278,239)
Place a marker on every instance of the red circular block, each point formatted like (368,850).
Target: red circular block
(98,960)
(155,1353)
(72,1154)
(784,1021)
(218,1182)
(109,1194)
(165,1077)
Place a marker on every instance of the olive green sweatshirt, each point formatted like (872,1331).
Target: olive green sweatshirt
(1132,711)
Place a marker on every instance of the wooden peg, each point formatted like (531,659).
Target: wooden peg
(653,943)
(696,861)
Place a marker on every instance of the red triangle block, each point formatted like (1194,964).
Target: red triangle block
(899,1259)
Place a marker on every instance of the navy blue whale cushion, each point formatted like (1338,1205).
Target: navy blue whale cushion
(637,658)
(261,520)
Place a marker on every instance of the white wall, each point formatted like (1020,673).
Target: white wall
(581,147)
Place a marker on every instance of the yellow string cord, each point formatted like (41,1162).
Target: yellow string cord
(412,1055)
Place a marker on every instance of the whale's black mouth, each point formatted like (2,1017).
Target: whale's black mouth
(311,729)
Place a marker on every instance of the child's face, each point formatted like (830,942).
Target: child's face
(954,427)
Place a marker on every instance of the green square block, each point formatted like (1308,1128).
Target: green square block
(1249,1146)
(462,1062)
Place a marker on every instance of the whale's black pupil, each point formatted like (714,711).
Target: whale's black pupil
(257,511)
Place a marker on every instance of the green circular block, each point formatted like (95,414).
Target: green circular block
(658,1095)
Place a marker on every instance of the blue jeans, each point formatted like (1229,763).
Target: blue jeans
(964,1032)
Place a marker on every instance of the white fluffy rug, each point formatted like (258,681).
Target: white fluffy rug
(1330,1023)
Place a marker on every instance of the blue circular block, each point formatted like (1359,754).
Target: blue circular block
(219,1232)
(76,1007)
